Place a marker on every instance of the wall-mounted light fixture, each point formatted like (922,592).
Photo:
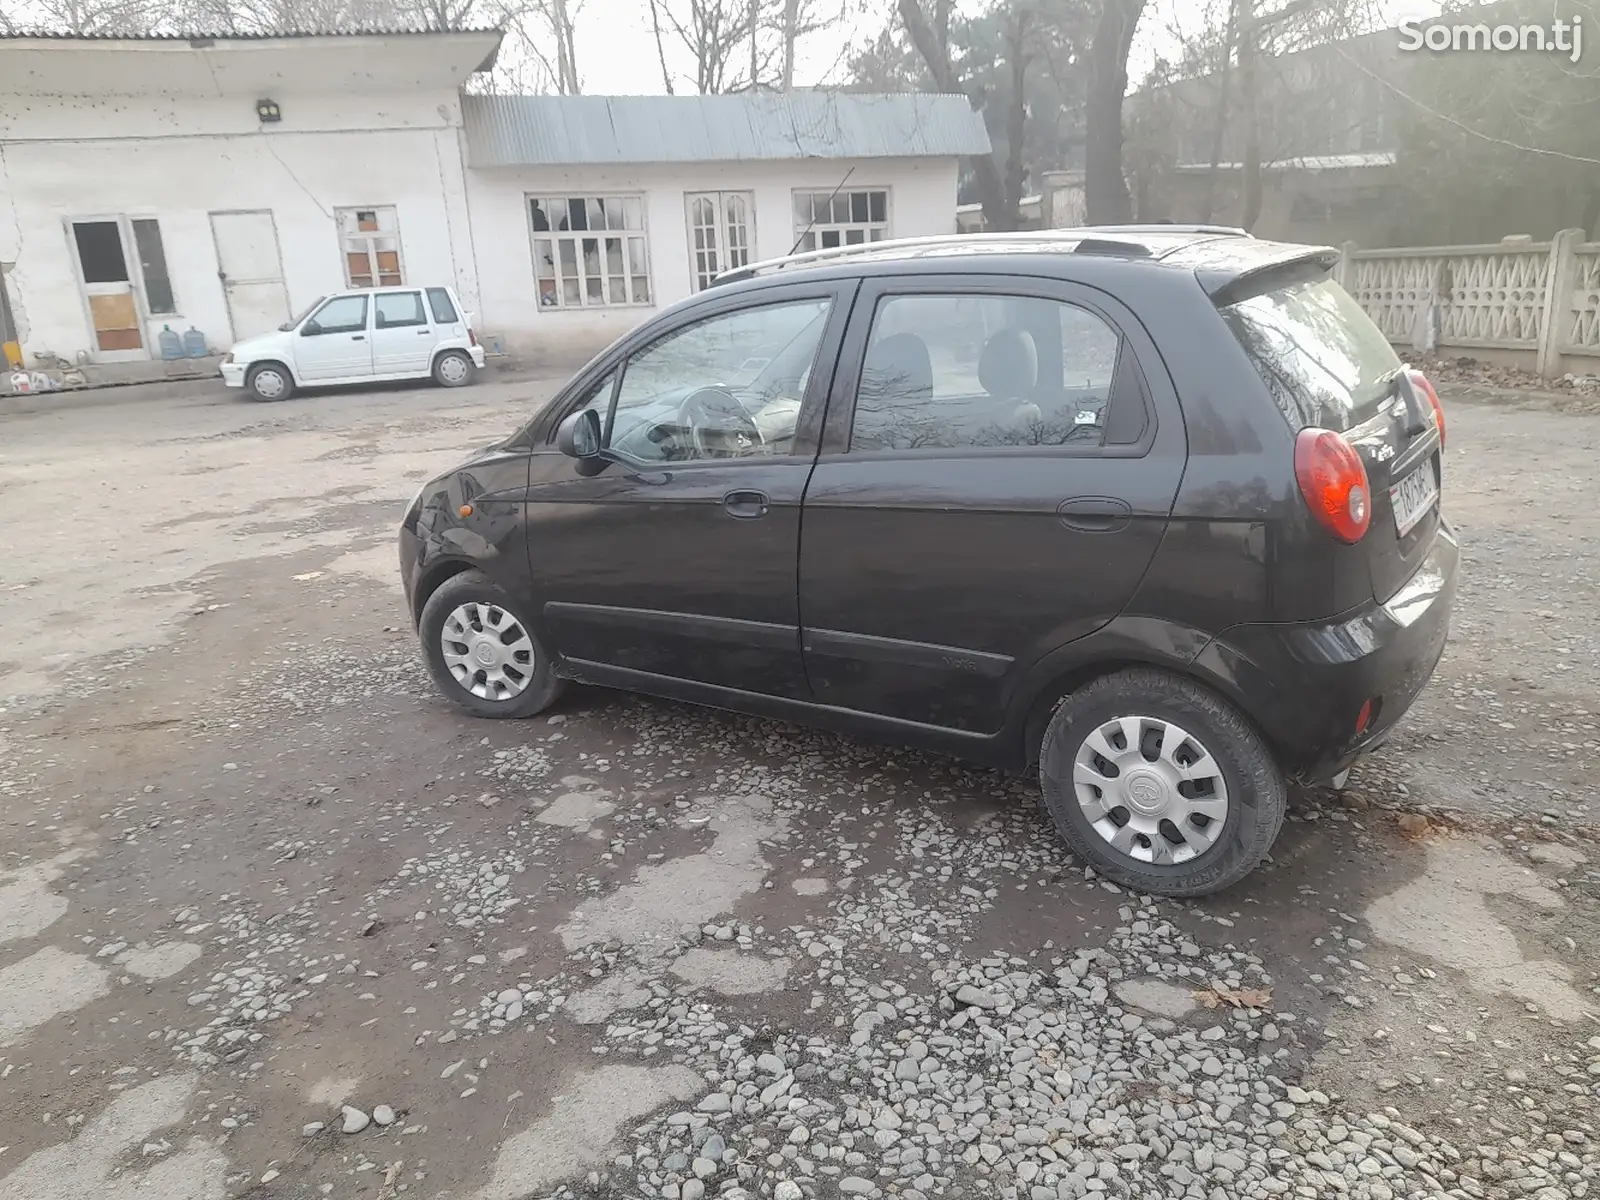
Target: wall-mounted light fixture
(268,112)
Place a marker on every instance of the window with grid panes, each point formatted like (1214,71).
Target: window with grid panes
(590,251)
(370,239)
(823,220)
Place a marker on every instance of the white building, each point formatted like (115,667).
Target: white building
(225,183)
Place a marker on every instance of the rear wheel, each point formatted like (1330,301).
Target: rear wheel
(481,651)
(269,381)
(454,368)
(1160,784)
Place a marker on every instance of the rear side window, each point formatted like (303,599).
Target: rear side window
(1325,362)
(443,311)
(959,371)
(397,310)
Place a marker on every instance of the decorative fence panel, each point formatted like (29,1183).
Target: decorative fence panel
(1540,300)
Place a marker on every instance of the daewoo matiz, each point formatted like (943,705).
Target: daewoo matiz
(1154,508)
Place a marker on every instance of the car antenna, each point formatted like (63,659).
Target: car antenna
(813,220)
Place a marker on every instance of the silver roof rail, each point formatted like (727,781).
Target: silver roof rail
(1163,227)
(810,258)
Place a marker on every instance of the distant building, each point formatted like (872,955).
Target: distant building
(225,183)
(1328,144)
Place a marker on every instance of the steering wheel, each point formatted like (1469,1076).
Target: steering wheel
(718,425)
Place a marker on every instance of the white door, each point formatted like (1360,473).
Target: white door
(333,345)
(721,232)
(251,270)
(101,251)
(402,335)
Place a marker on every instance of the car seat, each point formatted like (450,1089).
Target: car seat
(1008,369)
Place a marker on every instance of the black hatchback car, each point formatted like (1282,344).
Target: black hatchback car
(1156,509)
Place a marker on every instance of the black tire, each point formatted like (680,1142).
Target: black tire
(543,687)
(454,368)
(257,382)
(1257,793)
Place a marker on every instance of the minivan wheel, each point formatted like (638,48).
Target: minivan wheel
(481,651)
(454,368)
(269,381)
(1160,784)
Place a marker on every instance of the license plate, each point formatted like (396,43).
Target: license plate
(1414,497)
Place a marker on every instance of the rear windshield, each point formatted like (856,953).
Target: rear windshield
(1322,358)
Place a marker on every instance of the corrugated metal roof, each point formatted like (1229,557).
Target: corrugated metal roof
(59,35)
(507,131)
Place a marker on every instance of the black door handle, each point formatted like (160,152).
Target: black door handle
(424,332)
(747,506)
(358,337)
(1095,514)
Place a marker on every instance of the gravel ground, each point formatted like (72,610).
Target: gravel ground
(274,921)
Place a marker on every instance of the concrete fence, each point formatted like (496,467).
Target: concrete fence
(1520,303)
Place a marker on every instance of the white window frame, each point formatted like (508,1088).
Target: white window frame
(547,246)
(810,235)
(353,240)
(721,250)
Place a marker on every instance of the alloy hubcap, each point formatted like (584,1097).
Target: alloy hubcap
(487,651)
(1151,790)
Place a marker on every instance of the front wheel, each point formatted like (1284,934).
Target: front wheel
(454,368)
(1160,784)
(481,651)
(269,381)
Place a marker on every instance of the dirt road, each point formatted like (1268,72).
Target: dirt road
(273,920)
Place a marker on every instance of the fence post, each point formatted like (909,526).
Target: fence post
(1345,273)
(1557,307)
(1425,317)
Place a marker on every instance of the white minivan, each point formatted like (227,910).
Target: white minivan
(368,335)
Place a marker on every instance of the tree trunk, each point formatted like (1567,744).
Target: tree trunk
(1017,114)
(1105,190)
(1249,89)
(755,43)
(1591,213)
(1250,95)
(567,83)
(1224,79)
(933,45)
(661,49)
(791,18)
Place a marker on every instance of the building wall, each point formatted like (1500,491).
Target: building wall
(922,201)
(180,159)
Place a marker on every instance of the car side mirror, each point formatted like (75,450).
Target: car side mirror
(310,329)
(579,435)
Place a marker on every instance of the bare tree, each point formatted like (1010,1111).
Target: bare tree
(661,48)
(545,35)
(712,31)
(791,35)
(1106,199)
(87,16)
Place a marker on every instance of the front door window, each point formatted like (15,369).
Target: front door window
(729,386)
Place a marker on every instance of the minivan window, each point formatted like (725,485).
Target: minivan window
(443,311)
(1325,362)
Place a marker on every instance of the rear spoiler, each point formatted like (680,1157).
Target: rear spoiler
(1295,264)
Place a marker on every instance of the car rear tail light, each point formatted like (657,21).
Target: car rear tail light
(1364,718)
(1333,480)
(1422,384)
(473,334)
